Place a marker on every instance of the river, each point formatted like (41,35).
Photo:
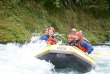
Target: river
(18,59)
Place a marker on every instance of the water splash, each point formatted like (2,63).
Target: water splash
(19,59)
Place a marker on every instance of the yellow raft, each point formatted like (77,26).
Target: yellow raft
(63,56)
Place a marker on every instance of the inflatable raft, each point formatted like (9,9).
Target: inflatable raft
(63,56)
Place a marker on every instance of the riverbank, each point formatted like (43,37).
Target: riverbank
(19,21)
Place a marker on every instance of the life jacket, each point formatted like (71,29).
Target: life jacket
(79,46)
(51,40)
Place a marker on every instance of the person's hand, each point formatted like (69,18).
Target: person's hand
(86,40)
(87,54)
(48,44)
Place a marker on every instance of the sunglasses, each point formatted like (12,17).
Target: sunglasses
(72,31)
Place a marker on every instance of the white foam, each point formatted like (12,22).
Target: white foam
(19,59)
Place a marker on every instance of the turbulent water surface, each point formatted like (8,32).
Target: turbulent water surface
(19,59)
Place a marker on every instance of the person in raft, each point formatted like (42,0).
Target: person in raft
(73,30)
(46,31)
(49,38)
(45,35)
(70,41)
(82,44)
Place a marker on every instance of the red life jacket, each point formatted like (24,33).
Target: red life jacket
(79,46)
(51,40)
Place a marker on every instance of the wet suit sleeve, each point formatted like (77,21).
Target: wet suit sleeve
(88,46)
(67,42)
(73,43)
(44,37)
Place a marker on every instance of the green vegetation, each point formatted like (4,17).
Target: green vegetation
(20,18)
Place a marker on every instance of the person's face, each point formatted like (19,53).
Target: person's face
(46,32)
(50,32)
(76,37)
(70,40)
(72,32)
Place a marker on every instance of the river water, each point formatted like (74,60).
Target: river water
(19,59)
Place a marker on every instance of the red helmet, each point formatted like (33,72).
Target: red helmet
(51,28)
(70,36)
(78,34)
(46,29)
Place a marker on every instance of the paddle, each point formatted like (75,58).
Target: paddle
(103,53)
(92,58)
